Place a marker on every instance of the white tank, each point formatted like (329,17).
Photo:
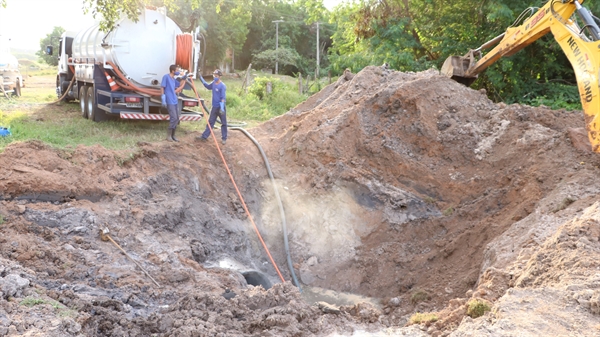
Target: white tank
(142,50)
(8,61)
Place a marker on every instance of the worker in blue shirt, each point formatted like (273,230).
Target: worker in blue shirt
(169,90)
(218,105)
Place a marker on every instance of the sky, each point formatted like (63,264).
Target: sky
(26,22)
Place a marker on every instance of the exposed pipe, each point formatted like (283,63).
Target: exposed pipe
(281,211)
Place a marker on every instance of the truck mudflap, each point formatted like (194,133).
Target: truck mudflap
(155,117)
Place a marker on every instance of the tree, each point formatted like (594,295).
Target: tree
(297,33)
(416,34)
(111,10)
(51,39)
(267,58)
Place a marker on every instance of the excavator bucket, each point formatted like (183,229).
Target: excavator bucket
(456,68)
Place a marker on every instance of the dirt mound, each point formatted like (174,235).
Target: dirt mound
(406,188)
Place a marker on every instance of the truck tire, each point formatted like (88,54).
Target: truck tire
(82,101)
(96,114)
(91,103)
(17,90)
(62,86)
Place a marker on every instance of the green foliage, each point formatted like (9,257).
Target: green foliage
(111,10)
(51,39)
(63,132)
(2,219)
(315,10)
(259,86)
(30,301)
(223,25)
(267,58)
(448,211)
(477,308)
(297,32)
(251,109)
(415,35)
(62,310)
(418,318)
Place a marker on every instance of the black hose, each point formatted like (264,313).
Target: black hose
(281,211)
(229,124)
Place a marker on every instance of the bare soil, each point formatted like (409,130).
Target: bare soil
(403,193)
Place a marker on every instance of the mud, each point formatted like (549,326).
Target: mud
(403,193)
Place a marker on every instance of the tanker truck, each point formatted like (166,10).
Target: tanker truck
(11,80)
(117,74)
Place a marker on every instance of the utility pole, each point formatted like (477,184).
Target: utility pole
(317,72)
(276,42)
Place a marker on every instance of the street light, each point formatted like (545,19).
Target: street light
(317,72)
(276,42)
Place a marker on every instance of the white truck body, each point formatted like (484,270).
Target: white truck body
(141,51)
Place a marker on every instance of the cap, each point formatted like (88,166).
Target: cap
(218,72)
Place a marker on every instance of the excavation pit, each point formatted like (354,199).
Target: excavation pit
(396,194)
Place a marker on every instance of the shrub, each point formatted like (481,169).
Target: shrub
(476,308)
(418,318)
(419,296)
(268,58)
(259,86)
(448,211)
(30,301)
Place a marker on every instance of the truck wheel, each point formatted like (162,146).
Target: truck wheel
(91,103)
(82,101)
(17,90)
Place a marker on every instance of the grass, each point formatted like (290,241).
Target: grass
(62,310)
(448,211)
(249,107)
(419,296)
(2,219)
(30,117)
(477,308)
(31,301)
(418,318)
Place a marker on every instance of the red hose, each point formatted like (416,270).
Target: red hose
(126,84)
(183,57)
(236,187)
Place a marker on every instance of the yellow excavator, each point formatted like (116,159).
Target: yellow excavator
(580,44)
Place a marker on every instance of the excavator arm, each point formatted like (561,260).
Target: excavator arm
(582,51)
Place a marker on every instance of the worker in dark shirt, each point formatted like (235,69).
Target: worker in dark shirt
(218,105)
(170,89)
